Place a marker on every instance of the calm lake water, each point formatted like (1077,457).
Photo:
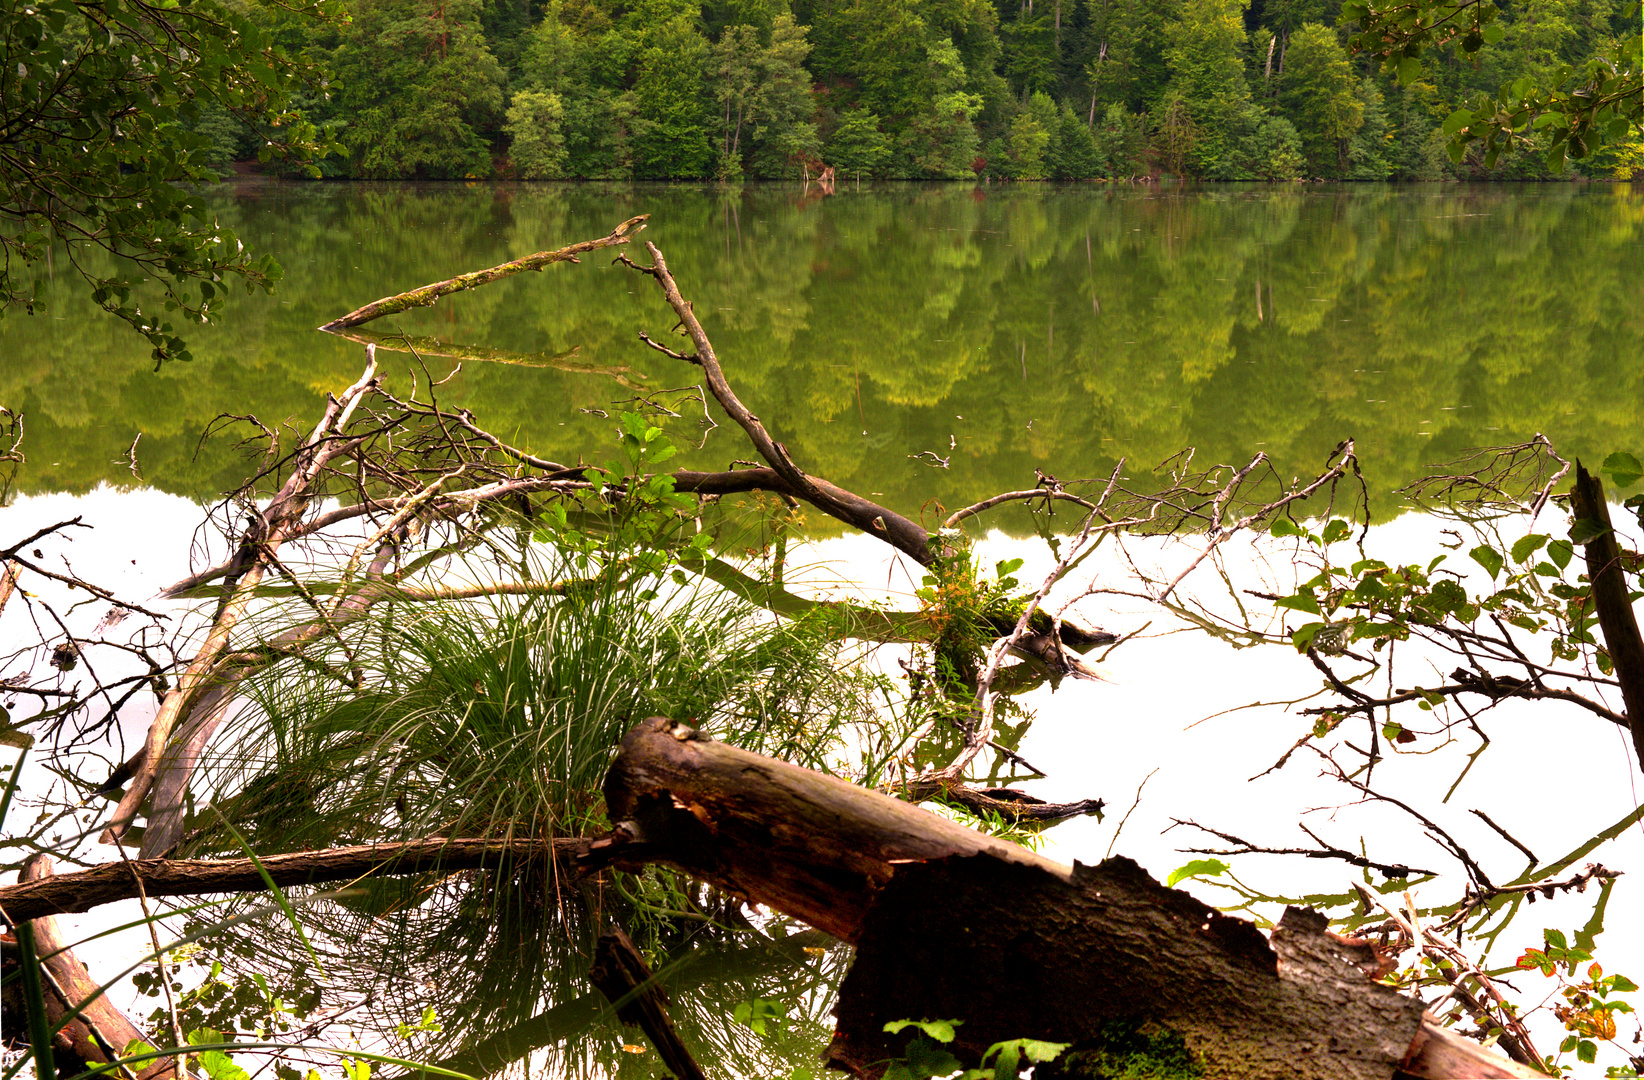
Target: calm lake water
(1004,328)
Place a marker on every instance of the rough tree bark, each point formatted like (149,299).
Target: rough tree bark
(950,923)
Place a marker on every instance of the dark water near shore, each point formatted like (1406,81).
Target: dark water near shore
(1004,329)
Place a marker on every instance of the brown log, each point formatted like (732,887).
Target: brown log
(952,924)
(100,1033)
(1611,602)
(110,882)
(807,844)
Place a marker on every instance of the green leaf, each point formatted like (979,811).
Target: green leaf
(1560,552)
(1302,601)
(1487,557)
(1197,868)
(1457,120)
(1586,1051)
(1337,530)
(940,1030)
(1283,526)
(1491,34)
(1409,70)
(1528,546)
(1586,530)
(1623,469)
(1302,637)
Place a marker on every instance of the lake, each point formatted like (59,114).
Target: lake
(883,330)
(937,343)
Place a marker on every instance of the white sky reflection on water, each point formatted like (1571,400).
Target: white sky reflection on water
(1553,776)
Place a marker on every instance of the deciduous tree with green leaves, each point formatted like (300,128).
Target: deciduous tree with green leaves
(100,102)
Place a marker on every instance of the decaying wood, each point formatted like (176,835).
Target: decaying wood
(100,1033)
(427,295)
(1611,601)
(807,844)
(86,889)
(622,976)
(954,924)
(1437,1052)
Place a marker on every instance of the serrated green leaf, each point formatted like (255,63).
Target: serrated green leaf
(1457,120)
(1528,546)
(1560,551)
(1302,601)
(1489,558)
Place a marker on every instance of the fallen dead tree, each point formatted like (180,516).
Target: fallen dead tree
(950,923)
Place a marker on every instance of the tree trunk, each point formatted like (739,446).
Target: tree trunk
(952,924)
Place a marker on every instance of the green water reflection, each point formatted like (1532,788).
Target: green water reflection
(1006,328)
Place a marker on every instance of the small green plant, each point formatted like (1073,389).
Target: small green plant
(926,1054)
(1590,1006)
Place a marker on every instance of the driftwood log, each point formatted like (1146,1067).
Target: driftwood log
(953,924)
(100,1032)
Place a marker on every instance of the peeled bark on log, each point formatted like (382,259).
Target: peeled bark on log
(100,1033)
(952,924)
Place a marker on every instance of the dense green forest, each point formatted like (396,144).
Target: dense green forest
(918,89)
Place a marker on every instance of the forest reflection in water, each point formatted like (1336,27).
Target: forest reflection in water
(931,342)
(934,344)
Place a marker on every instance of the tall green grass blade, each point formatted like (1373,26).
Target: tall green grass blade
(274,890)
(11,786)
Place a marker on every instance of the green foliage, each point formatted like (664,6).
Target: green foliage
(1127,1051)
(857,146)
(114,110)
(1590,1006)
(1196,869)
(1204,51)
(1273,151)
(1030,136)
(420,87)
(536,129)
(1571,90)
(1319,94)
(925,1055)
(671,102)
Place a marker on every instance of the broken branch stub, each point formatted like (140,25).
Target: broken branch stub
(808,844)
